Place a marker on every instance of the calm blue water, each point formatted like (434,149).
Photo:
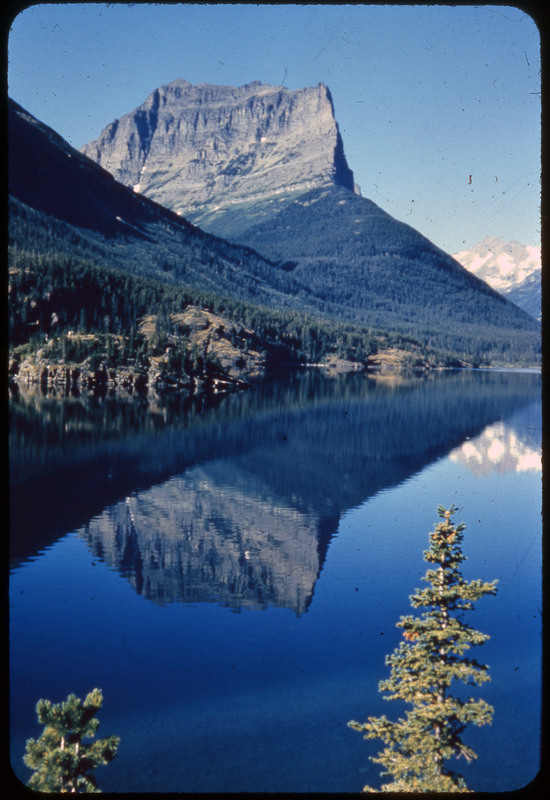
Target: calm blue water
(231,575)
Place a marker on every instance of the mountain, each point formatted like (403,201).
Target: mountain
(210,151)
(264,167)
(502,265)
(89,259)
(511,268)
(336,274)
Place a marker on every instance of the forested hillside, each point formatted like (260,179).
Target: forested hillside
(68,304)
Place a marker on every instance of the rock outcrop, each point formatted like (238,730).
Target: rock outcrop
(221,353)
(200,150)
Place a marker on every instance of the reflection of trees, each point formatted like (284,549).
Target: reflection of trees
(310,445)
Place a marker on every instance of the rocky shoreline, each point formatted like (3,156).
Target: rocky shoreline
(77,378)
(70,377)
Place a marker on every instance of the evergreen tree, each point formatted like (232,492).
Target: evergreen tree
(424,666)
(62,761)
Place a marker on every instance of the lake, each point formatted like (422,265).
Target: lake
(229,572)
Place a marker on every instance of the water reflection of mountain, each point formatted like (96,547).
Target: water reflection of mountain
(501,448)
(197,538)
(237,503)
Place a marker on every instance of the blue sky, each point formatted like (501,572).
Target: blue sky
(425,96)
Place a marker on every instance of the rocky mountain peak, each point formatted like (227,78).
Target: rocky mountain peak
(205,149)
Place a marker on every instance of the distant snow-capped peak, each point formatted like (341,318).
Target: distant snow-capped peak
(502,265)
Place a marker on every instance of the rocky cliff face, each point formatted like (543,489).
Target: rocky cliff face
(203,150)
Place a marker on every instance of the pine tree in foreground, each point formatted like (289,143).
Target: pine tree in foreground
(423,668)
(61,760)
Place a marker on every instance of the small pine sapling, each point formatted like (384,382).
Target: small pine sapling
(61,760)
(424,666)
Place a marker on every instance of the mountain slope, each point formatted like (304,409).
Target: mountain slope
(384,271)
(378,267)
(528,295)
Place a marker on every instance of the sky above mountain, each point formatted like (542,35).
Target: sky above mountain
(438,106)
